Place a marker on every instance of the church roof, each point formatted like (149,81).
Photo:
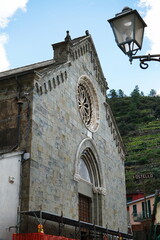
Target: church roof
(69,44)
(25,69)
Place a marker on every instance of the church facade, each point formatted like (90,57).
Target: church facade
(55,114)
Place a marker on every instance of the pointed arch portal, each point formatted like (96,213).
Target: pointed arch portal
(90,177)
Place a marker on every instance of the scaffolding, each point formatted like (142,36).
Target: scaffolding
(94,231)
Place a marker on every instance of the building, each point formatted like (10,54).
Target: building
(134,196)
(144,214)
(61,151)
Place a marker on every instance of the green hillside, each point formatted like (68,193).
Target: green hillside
(138,120)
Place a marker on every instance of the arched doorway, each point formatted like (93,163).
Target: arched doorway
(90,177)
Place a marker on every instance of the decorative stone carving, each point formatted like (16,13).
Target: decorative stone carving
(88,103)
(99,190)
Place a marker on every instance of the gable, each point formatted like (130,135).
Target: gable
(50,74)
(72,50)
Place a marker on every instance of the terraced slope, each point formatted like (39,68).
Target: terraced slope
(139,124)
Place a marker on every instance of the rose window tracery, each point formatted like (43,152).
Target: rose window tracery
(85,105)
(88,103)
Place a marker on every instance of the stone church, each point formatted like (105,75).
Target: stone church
(61,153)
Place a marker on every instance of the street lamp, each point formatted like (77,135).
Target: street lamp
(128,28)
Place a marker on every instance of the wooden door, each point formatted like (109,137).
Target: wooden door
(84,208)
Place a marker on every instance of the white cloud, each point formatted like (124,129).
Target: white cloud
(7,9)
(4,64)
(152,31)
(158,92)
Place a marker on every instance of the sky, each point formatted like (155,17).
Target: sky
(29,27)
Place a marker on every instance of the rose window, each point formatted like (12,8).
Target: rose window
(85,106)
(88,103)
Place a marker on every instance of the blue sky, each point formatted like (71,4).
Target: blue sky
(29,27)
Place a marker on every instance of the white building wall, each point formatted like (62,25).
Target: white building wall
(9,193)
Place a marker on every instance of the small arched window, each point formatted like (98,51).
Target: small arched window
(62,78)
(37,87)
(54,83)
(58,81)
(49,85)
(88,169)
(84,171)
(45,88)
(76,54)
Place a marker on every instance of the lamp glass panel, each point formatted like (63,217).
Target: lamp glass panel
(134,46)
(129,47)
(139,30)
(123,28)
(124,47)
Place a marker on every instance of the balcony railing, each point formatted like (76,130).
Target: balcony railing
(140,217)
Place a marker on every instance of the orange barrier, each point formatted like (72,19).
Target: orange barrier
(37,236)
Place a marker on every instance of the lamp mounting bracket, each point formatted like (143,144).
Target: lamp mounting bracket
(145,58)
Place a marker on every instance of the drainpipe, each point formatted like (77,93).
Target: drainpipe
(19,205)
(19,104)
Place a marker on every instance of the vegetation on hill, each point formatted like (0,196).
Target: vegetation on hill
(138,120)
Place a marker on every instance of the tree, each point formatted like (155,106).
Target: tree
(121,93)
(152,93)
(157,112)
(135,93)
(112,93)
(135,96)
